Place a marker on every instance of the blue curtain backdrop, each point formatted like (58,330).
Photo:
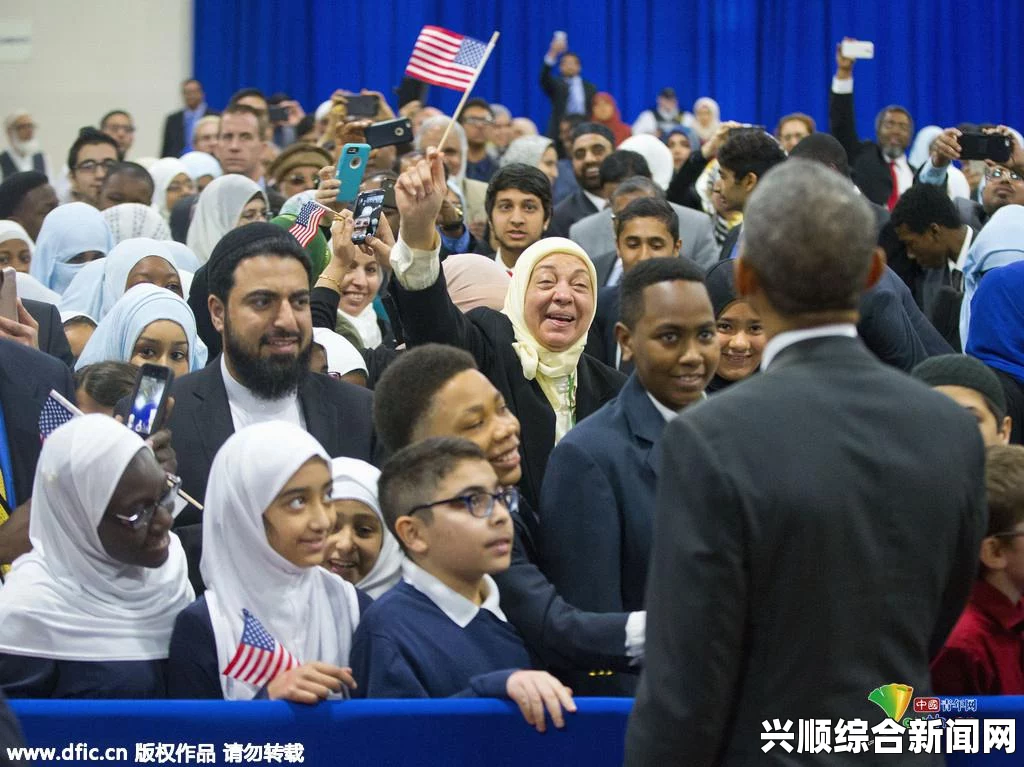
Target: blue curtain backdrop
(946,61)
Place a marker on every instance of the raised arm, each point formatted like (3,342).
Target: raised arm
(841,122)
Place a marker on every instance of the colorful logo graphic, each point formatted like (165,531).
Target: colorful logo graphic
(893,699)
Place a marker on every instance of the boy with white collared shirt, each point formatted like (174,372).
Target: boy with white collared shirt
(440,632)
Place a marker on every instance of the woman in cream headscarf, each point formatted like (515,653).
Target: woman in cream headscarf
(706,118)
(88,612)
(221,208)
(171,181)
(533,350)
(268,514)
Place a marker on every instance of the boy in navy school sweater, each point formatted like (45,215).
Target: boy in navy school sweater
(440,632)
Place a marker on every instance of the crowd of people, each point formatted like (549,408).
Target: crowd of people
(467,455)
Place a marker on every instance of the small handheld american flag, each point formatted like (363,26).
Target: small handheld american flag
(445,58)
(307,221)
(259,657)
(56,412)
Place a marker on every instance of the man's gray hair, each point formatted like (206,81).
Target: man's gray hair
(809,237)
(438,124)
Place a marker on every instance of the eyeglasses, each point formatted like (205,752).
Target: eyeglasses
(255,215)
(300,179)
(478,121)
(1012,534)
(122,128)
(141,518)
(91,166)
(479,505)
(998,173)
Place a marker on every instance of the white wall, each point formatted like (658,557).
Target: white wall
(91,56)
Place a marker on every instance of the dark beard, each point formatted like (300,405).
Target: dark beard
(267,379)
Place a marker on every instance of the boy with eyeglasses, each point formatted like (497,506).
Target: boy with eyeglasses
(440,632)
(93,155)
(984,654)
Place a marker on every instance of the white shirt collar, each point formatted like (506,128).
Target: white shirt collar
(667,413)
(247,408)
(498,259)
(460,610)
(790,337)
(615,276)
(599,202)
(961,259)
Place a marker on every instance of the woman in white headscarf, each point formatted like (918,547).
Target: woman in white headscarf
(532,351)
(228,202)
(657,155)
(706,118)
(336,356)
(16,247)
(132,219)
(202,167)
(360,548)
(268,515)
(147,324)
(96,289)
(171,182)
(72,235)
(88,613)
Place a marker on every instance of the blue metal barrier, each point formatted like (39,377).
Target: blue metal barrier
(370,732)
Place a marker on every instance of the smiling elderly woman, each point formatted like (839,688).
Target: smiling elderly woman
(532,350)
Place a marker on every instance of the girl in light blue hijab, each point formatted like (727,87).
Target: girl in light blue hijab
(1001,242)
(69,232)
(98,286)
(130,333)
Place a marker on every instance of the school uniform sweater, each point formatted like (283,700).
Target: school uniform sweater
(24,676)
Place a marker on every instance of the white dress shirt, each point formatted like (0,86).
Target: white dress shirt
(460,610)
(247,408)
(599,202)
(777,343)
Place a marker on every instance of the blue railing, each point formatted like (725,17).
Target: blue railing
(372,732)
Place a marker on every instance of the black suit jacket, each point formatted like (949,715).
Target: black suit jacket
(557,90)
(52,338)
(26,377)
(174,133)
(429,316)
(573,208)
(601,341)
(337,414)
(816,537)
(10,734)
(868,165)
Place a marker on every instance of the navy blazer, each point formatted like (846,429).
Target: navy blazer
(573,208)
(337,414)
(26,377)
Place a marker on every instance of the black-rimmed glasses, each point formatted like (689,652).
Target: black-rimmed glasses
(141,517)
(479,504)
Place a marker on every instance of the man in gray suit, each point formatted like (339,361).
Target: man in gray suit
(596,233)
(817,527)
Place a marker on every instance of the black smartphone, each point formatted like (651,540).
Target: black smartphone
(985,146)
(389,133)
(361,106)
(149,399)
(367,211)
(278,114)
(411,89)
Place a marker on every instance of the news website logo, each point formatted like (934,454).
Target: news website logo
(893,699)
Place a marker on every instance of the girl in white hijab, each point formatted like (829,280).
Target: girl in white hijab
(202,167)
(89,611)
(341,359)
(71,236)
(706,118)
(171,182)
(268,515)
(14,242)
(96,289)
(219,210)
(361,549)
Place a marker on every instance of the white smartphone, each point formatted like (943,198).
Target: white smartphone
(560,35)
(858,49)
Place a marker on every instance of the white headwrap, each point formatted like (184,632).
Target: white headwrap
(133,219)
(217,211)
(657,155)
(67,231)
(554,371)
(115,335)
(12,230)
(308,610)
(199,164)
(356,480)
(164,171)
(68,599)
(98,286)
(342,356)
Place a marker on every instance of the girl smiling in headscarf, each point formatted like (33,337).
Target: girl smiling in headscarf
(268,515)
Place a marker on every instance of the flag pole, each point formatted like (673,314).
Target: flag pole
(472,83)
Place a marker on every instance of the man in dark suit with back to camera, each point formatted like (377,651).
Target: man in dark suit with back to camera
(259,303)
(818,527)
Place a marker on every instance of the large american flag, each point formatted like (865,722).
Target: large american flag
(307,221)
(259,657)
(445,58)
(53,415)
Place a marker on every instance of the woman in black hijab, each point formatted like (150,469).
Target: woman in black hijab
(740,333)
